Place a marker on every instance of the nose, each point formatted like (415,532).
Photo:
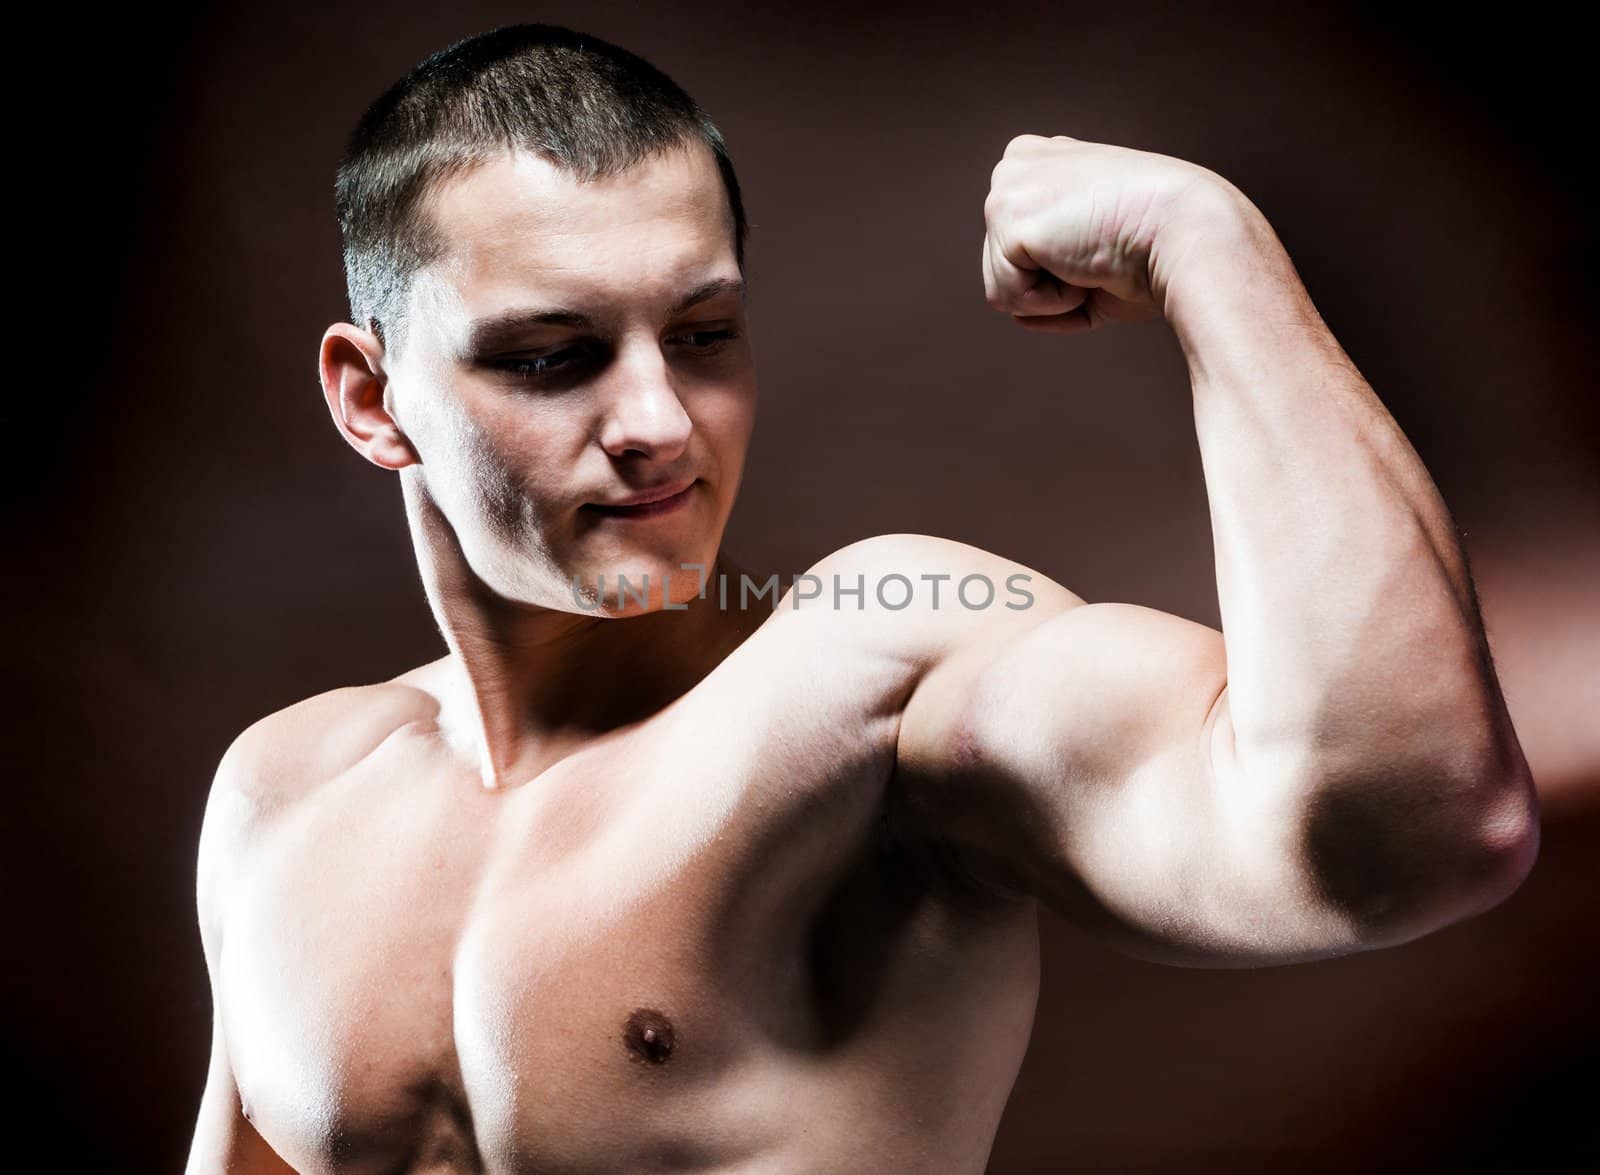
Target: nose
(643,414)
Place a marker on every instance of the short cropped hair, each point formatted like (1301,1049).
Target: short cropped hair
(590,107)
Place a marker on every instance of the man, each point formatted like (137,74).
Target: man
(647,874)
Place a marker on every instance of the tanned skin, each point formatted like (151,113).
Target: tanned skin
(629,885)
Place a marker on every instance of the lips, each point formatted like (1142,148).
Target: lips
(645,501)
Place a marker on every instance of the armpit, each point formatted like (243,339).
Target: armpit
(935,864)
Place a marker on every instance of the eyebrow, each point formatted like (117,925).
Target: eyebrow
(485,332)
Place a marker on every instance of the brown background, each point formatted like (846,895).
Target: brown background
(199,548)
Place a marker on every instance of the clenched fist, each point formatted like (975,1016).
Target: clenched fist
(1079,234)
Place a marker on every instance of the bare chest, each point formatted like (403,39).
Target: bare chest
(681,951)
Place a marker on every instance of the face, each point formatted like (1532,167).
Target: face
(579,345)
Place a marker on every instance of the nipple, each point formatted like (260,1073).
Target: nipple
(648,1035)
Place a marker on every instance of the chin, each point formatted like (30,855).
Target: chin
(631,583)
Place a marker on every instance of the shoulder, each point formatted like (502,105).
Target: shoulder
(966,575)
(883,551)
(276,757)
(932,597)
(280,758)
(951,612)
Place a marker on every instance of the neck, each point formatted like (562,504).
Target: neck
(525,685)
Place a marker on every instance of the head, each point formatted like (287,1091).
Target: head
(544,246)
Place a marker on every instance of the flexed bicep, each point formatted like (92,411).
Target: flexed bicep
(1089,763)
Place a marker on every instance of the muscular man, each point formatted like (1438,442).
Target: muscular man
(650,880)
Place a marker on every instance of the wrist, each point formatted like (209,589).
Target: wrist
(1223,279)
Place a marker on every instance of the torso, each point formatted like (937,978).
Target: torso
(688,946)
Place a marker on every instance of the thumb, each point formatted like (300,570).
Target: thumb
(1048,295)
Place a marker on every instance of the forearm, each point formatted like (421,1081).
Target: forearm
(1356,655)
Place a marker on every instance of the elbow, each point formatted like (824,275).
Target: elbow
(1399,857)
(1506,843)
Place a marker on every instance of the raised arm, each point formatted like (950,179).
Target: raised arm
(1336,769)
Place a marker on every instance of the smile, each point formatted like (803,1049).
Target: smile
(645,509)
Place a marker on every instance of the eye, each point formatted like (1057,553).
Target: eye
(560,362)
(706,342)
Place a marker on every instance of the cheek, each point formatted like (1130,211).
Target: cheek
(520,472)
(728,418)
(477,467)
(498,494)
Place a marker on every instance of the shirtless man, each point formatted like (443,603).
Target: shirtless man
(657,882)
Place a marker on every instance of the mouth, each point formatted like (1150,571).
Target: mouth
(651,504)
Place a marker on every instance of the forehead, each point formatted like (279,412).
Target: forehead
(518,228)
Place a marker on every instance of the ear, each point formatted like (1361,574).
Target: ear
(353,382)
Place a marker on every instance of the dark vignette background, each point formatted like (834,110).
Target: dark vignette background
(198,548)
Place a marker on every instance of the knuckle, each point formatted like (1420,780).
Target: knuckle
(1020,143)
